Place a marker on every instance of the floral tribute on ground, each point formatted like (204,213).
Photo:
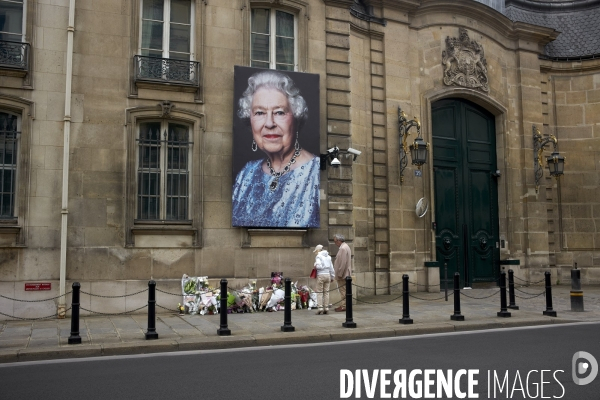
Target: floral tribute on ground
(199,297)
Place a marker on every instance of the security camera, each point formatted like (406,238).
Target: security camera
(334,149)
(335,163)
(355,152)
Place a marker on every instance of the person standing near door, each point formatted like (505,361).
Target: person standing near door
(342,267)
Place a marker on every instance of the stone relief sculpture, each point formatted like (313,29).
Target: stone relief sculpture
(464,63)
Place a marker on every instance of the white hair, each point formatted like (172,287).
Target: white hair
(278,81)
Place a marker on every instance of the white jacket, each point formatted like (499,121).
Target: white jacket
(323,264)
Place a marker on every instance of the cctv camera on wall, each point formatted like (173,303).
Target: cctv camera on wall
(355,152)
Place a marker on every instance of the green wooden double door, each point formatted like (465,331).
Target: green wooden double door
(466,192)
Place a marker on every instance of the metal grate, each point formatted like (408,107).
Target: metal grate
(166,70)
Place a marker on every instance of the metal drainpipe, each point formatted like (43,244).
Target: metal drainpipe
(65,178)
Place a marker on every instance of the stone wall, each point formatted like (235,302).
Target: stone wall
(573,112)
(367,70)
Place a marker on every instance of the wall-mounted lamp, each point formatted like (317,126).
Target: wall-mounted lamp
(332,156)
(418,149)
(556,162)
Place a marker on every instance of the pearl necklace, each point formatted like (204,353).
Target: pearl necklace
(275,182)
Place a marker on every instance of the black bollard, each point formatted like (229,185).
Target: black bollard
(75,338)
(405,311)
(349,323)
(446,279)
(549,311)
(511,291)
(503,313)
(576,292)
(151,334)
(287,312)
(457,315)
(223,330)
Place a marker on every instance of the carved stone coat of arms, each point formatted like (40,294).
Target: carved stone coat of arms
(464,63)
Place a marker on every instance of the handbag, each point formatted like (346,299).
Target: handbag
(313,273)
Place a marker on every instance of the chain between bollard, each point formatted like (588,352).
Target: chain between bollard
(528,283)
(35,301)
(33,319)
(172,294)
(420,298)
(529,298)
(479,298)
(369,302)
(113,297)
(374,288)
(530,294)
(115,314)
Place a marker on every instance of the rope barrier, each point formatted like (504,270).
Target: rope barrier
(479,298)
(113,297)
(33,319)
(36,301)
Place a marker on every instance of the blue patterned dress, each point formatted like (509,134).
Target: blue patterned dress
(293,204)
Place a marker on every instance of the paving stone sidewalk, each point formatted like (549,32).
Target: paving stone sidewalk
(375,317)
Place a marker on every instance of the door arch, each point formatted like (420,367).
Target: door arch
(465,190)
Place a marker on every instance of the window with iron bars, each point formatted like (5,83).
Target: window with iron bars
(9,141)
(163,171)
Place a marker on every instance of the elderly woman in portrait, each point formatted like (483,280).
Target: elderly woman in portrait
(281,189)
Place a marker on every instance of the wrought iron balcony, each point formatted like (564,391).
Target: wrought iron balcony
(166,70)
(14,55)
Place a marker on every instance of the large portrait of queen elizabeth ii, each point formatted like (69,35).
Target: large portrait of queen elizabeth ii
(275,149)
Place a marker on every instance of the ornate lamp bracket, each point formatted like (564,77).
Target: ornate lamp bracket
(404,126)
(539,143)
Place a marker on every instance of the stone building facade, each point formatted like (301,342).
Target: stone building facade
(74,95)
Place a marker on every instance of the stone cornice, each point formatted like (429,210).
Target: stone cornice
(569,67)
(339,3)
(541,34)
(555,6)
(401,5)
(486,16)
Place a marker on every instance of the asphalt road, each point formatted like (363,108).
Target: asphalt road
(509,363)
